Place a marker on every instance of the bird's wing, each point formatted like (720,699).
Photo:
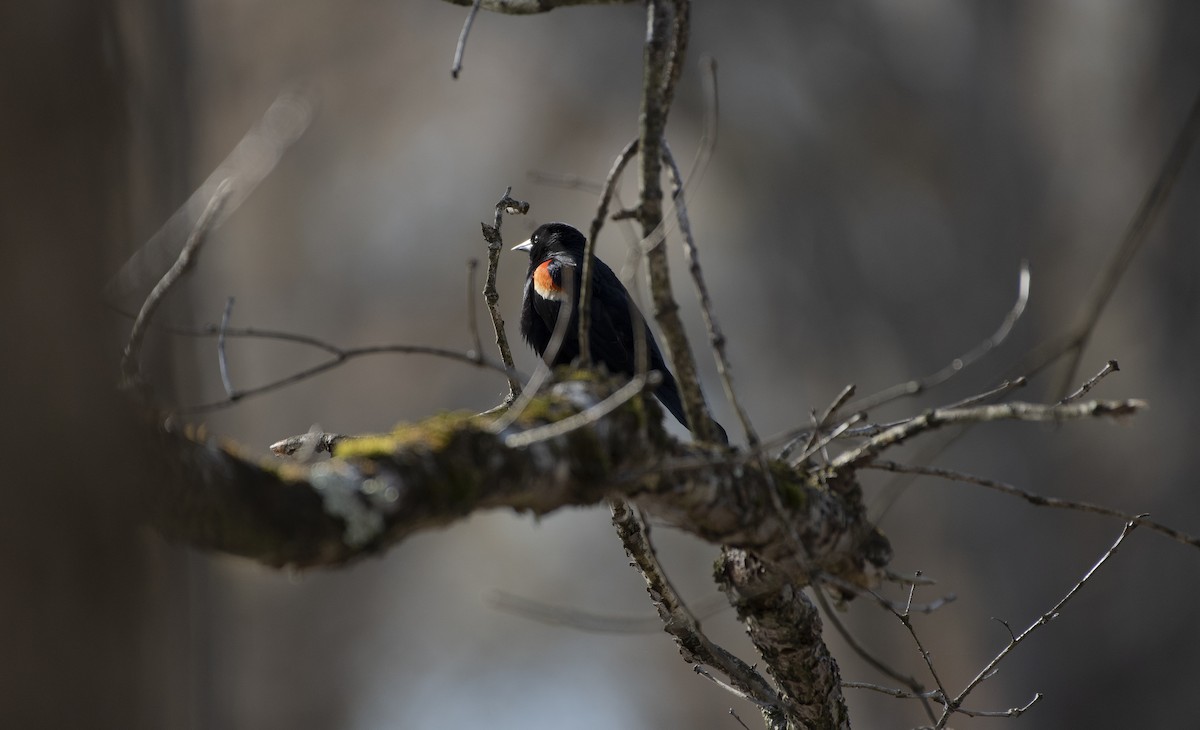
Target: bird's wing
(613,341)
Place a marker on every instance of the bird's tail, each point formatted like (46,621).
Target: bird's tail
(668,394)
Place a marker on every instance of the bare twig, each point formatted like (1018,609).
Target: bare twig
(590,621)
(716,337)
(472,320)
(897,693)
(936,695)
(456,66)
(1003,388)
(734,715)
(730,688)
(252,159)
(339,356)
(971,400)
(222,362)
(916,688)
(955,366)
(1017,411)
(905,618)
(953,705)
(1109,367)
(1076,339)
(589,251)
(131,360)
(908,607)
(585,418)
(1036,499)
(712,118)
(827,439)
(495,243)
(812,436)
(679,621)
(543,372)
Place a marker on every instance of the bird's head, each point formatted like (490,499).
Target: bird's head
(553,239)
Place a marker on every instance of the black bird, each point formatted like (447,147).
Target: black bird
(555,267)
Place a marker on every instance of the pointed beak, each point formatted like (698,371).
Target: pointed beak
(526,246)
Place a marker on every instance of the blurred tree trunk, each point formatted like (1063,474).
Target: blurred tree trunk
(86,619)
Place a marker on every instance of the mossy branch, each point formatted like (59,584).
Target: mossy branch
(378,490)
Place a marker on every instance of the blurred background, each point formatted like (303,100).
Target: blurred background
(881,171)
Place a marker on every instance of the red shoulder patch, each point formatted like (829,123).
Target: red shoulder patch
(544,284)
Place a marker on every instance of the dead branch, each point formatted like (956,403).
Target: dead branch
(495,245)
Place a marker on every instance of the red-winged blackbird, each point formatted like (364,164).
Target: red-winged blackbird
(556,251)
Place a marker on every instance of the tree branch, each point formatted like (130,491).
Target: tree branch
(666,44)
(1015,411)
(495,244)
(378,490)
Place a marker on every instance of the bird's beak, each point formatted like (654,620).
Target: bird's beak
(526,246)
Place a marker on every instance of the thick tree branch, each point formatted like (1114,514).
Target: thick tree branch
(379,490)
(786,629)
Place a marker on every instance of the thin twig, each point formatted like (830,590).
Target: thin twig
(679,621)
(543,372)
(908,607)
(935,695)
(1003,388)
(1109,367)
(843,395)
(972,400)
(472,320)
(589,251)
(131,359)
(495,243)
(906,619)
(222,363)
(340,356)
(827,439)
(257,333)
(731,689)
(911,682)
(240,173)
(590,621)
(1135,236)
(958,364)
(712,118)
(462,40)
(585,418)
(734,715)
(1016,410)
(953,705)
(716,337)
(1036,499)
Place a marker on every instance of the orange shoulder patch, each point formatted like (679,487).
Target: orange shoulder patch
(543,282)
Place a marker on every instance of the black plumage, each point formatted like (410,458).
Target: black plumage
(555,266)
